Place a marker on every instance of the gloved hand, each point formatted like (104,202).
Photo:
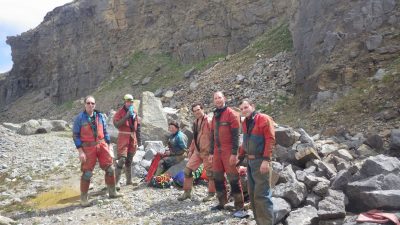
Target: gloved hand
(130,110)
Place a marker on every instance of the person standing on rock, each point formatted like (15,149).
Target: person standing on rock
(128,125)
(258,141)
(198,154)
(93,143)
(223,154)
(177,145)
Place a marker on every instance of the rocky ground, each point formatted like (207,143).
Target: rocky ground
(39,177)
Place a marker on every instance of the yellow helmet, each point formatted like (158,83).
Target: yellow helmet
(128,97)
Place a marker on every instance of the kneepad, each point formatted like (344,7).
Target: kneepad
(110,171)
(188,172)
(121,162)
(87,175)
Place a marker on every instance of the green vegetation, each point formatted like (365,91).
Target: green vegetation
(276,40)
(67,105)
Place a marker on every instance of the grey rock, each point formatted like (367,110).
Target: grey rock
(12,126)
(344,154)
(332,222)
(303,216)
(374,141)
(152,113)
(281,208)
(59,125)
(321,188)
(365,151)
(29,127)
(373,42)
(386,199)
(146,80)
(284,136)
(395,139)
(380,164)
(294,192)
(7,221)
(189,73)
(332,206)
(312,200)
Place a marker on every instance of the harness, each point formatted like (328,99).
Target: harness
(93,124)
(217,116)
(196,133)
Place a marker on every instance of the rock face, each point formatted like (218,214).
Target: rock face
(79,44)
(326,31)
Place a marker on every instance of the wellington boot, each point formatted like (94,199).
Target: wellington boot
(84,200)
(112,192)
(117,178)
(209,197)
(128,174)
(185,195)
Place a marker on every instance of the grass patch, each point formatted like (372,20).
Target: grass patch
(275,40)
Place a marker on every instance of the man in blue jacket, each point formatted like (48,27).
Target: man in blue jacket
(177,145)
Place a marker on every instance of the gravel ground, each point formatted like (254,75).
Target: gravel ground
(31,166)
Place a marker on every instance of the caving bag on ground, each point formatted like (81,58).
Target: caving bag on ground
(162,181)
(153,167)
(180,176)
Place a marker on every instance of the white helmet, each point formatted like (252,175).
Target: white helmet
(128,97)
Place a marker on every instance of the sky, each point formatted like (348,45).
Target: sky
(18,16)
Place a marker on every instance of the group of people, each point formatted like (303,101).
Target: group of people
(215,144)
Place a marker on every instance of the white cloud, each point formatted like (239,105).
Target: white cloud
(17,16)
(26,14)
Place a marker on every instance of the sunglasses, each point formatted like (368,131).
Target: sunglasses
(90,103)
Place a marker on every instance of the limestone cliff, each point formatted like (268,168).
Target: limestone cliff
(79,44)
(338,42)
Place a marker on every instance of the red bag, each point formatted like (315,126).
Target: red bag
(153,167)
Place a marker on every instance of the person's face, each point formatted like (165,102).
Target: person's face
(90,105)
(246,109)
(172,129)
(219,100)
(198,112)
(128,103)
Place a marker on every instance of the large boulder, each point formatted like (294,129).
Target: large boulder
(59,125)
(29,127)
(285,136)
(380,191)
(152,111)
(380,164)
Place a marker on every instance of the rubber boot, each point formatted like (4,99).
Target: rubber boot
(128,174)
(186,195)
(84,200)
(117,178)
(112,192)
(209,197)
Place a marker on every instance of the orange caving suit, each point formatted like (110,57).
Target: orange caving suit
(199,152)
(128,139)
(224,143)
(92,136)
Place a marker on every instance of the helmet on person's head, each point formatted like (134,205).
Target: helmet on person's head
(128,97)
